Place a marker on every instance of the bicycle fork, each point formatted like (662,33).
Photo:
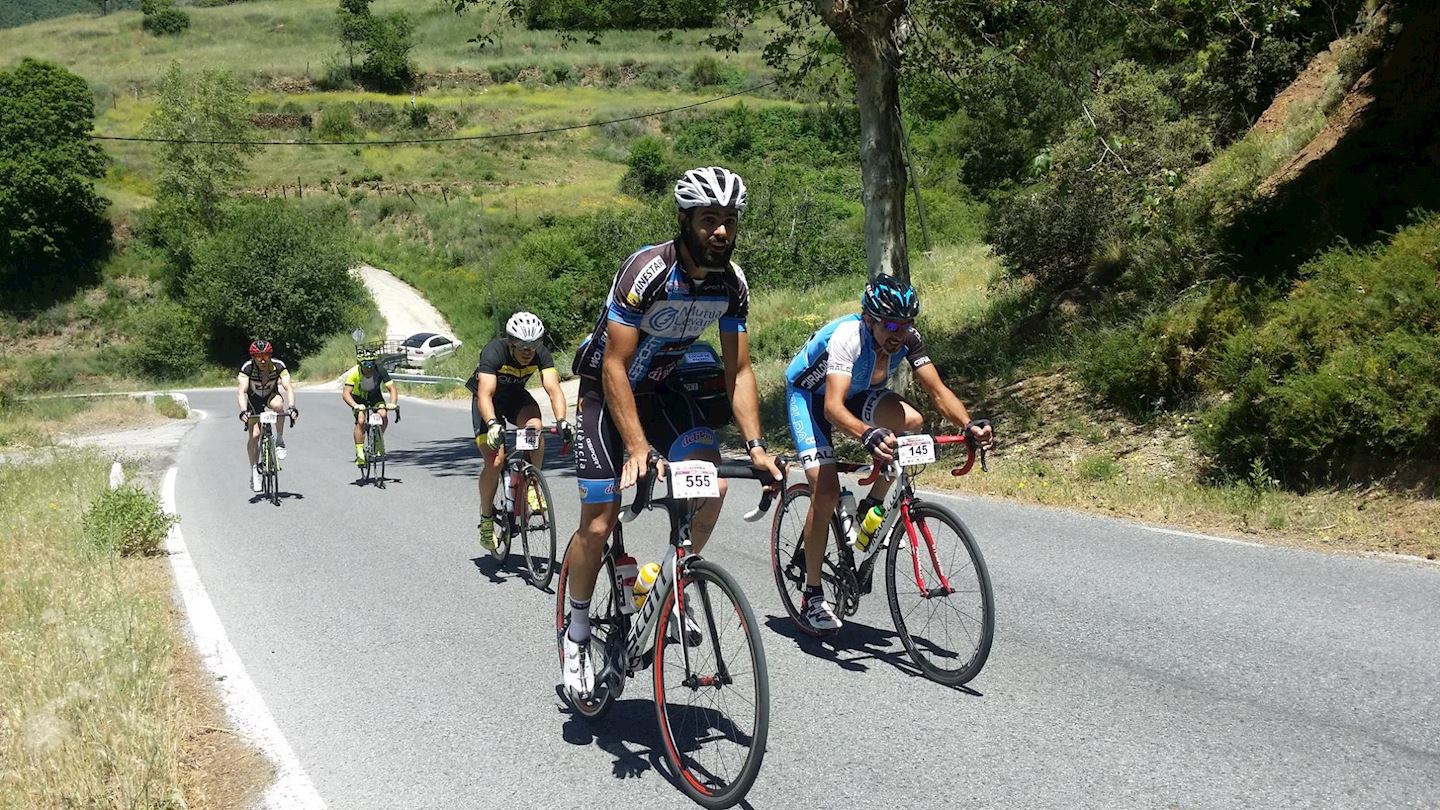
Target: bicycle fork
(928,593)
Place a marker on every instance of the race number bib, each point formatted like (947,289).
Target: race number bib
(267,417)
(376,418)
(916,450)
(527,439)
(694,479)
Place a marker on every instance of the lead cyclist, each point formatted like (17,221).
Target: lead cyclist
(662,298)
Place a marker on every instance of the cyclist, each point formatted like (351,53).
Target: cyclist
(498,386)
(263,382)
(841,379)
(662,298)
(364,387)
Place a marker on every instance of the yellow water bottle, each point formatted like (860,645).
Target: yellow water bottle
(645,582)
(869,526)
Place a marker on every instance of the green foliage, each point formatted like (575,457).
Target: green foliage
(277,270)
(127,521)
(167,342)
(1341,377)
(648,170)
(170,407)
(52,223)
(162,18)
(21,12)
(820,137)
(337,123)
(598,15)
(1097,467)
(199,111)
(387,67)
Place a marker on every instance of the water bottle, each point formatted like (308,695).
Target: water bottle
(847,519)
(644,582)
(868,527)
(627,569)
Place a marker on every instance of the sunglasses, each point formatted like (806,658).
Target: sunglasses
(367,363)
(524,345)
(895,326)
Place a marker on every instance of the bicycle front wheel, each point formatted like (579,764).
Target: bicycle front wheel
(946,630)
(712,698)
(537,531)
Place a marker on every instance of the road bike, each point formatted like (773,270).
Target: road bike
(374,466)
(938,586)
(266,463)
(712,692)
(512,514)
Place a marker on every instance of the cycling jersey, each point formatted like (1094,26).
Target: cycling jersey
(496,359)
(653,293)
(366,389)
(843,346)
(262,382)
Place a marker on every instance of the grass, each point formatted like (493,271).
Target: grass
(92,718)
(37,422)
(338,354)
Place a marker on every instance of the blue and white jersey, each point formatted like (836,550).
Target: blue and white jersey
(844,346)
(653,293)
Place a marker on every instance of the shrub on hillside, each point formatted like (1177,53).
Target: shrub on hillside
(168,344)
(162,18)
(279,270)
(1343,374)
(599,15)
(127,521)
(337,123)
(648,169)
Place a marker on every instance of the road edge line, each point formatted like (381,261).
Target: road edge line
(292,788)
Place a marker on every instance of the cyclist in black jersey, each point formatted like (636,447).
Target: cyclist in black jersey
(662,298)
(263,382)
(498,386)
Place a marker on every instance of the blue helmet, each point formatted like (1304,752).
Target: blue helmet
(891,298)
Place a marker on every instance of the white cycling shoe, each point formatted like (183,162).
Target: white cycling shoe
(820,616)
(692,628)
(254,480)
(578,671)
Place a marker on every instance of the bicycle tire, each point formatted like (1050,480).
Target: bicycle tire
(791,511)
(378,443)
(274,474)
(538,569)
(608,629)
(702,581)
(503,530)
(970,583)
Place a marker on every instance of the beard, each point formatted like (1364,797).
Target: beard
(711,260)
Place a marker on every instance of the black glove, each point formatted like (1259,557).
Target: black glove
(874,438)
(567,432)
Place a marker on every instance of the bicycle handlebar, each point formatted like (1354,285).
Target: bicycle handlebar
(645,487)
(972,446)
(511,433)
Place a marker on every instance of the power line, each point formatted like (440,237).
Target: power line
(455,139)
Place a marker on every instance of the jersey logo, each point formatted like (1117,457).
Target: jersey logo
(683,320)
(648,274)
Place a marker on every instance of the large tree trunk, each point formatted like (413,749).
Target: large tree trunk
(867,30)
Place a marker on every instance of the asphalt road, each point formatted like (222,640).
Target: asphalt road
(1131,668)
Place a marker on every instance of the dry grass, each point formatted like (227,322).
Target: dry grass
(101,702)
(36,423)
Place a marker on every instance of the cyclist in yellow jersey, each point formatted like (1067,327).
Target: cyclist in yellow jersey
(363,387)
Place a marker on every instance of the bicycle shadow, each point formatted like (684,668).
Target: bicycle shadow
(362,481)
(866,642)
(258,497)
(511,570)
(629,732)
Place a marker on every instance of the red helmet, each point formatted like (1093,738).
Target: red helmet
(261,347)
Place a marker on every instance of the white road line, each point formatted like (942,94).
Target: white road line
(1197,536)
(292,789)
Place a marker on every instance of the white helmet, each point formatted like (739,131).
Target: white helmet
(525,326)
(710,186)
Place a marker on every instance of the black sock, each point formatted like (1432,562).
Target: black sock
(812,591)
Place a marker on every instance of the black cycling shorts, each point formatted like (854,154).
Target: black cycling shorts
(257,403)
(673,424)
(508,402)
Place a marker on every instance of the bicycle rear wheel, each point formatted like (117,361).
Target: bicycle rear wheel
(378,442)
(608,628)
(539,555)
(714,712)
(787,556)
(946,631)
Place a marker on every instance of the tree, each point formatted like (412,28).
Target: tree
(355,20)
(385,42)
(206,119)
(276,270)
(52,222)
(874,36)
(163,18)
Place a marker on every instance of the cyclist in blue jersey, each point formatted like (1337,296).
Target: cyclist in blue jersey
(841,379)
(662,298)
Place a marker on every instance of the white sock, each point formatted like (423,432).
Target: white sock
(579,621)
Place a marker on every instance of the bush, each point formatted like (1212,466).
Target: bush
(337,123)
(279,270)
(387,67)
(599,15)
(162,18)
(1343,376)
(649,171)
(168,343)
(127,521)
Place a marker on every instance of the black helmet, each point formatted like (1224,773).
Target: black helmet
(891,298)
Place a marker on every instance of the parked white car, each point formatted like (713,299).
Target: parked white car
(424,346)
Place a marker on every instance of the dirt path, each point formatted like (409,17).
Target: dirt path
(405,310)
